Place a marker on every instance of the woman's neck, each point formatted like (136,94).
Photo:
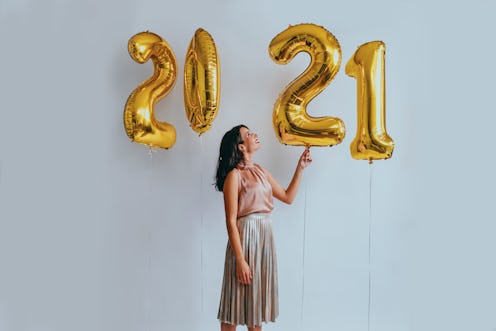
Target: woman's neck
(248,158)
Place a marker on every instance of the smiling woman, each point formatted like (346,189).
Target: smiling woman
(249,288)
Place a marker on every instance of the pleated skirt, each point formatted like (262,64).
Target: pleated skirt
(257,302)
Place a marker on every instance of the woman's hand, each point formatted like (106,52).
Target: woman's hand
(305,159)
(243,272)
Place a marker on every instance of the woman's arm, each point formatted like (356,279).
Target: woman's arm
(288,195)
(231,207)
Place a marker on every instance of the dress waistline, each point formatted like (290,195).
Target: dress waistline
(254,216)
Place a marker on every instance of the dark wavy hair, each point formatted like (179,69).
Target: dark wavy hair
(229,155)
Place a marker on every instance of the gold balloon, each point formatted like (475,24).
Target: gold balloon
(139,118)
(292,124)
(367,65)
(201,82)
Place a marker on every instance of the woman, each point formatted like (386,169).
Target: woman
(249,288)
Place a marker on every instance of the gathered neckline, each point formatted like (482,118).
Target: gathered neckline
(245,164)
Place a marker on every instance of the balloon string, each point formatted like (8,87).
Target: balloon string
(150,152)
(201,229)
(149,257)
(148,311)
(370,237)
(303,258)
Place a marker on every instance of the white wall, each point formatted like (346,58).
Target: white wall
(98,234)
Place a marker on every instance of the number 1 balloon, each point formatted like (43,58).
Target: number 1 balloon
(371,142)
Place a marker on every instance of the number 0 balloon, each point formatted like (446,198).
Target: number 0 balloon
(139,119)
(201,82)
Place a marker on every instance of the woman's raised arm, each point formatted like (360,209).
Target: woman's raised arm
(288,195)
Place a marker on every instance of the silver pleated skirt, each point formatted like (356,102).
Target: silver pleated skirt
(257,302)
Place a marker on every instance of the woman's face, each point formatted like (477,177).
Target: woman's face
(250,139)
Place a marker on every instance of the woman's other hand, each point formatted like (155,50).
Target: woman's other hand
(243,272)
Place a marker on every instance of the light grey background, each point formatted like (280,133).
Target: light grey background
(98,233)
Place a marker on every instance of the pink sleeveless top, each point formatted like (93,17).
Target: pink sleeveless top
(255,192)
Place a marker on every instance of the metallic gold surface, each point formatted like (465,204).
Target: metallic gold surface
(201,82)
(292,124)
(367,65)
(139,118)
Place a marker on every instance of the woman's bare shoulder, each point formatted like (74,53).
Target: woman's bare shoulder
(232,177)
(233,172)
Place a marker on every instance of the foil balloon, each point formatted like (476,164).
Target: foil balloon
(292,124)
(139,118)
(367,66)
(201,82)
